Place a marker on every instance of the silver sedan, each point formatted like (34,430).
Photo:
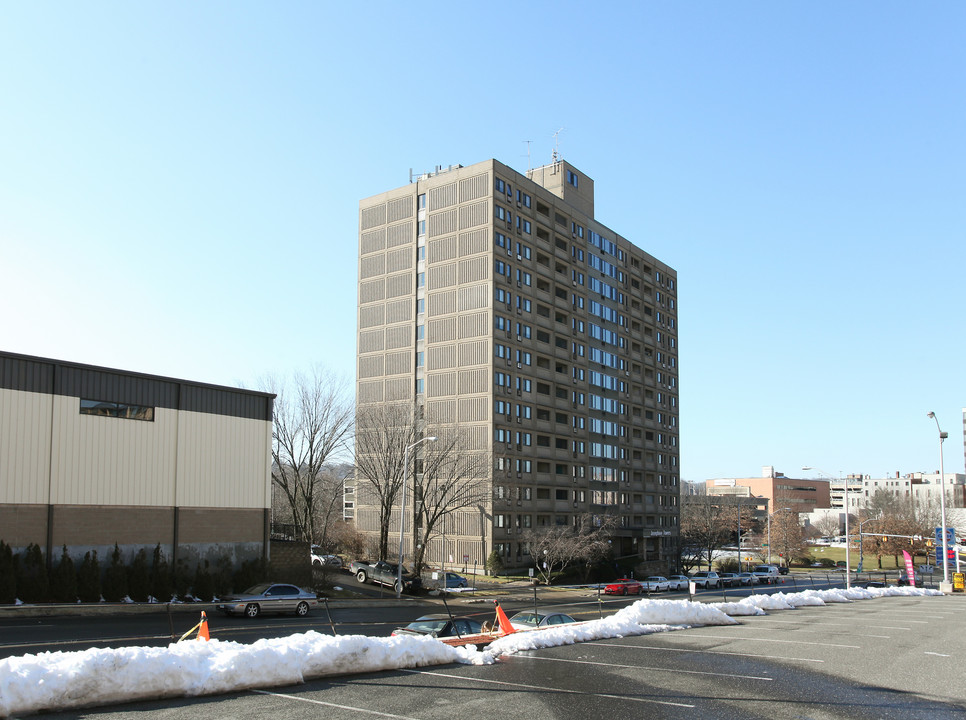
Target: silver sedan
(269,598)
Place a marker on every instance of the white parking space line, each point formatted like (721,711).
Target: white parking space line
(705,652)
(916,613)
(333,705)
(674,671)
(790,642)
(811,623)
(550,689)
(851,634)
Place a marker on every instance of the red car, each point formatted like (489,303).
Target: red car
(624,586)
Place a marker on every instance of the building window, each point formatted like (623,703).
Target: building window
(421,201)
(572,178)
(421,279)
(420,359)
(421,306)
(116,410)
(421,228)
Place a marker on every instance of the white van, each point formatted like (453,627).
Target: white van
(766,574)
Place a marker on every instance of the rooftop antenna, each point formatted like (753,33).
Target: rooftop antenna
(528,155)
(556,145)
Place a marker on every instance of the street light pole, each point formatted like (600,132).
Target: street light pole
(945,587)
(402,511)
(848,562)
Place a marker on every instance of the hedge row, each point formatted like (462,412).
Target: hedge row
(25,576)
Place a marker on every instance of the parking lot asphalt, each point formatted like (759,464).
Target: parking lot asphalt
(898,657)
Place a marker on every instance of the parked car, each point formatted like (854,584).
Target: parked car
(783,569)
(383,573)
(729,579)
(766,574)
(655,583)
(624,586)
(441,625)
(447,579)
(746,578)
(528,620)
(678,582)
(269,598)
(320,559)
(706,579)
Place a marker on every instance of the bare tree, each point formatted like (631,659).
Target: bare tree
(786,534)
(889,515)
(383,432)
(707,523)
(312,421)
(453,477)
(561,546)
(828,524)
(444,477)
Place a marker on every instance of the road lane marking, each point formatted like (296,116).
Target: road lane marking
(791,642)
(544,688)
(707,652)
(675,671)
(935,653)
(93,642)
(332,705)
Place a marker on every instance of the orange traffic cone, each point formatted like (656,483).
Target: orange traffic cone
(203,629)
(505,627)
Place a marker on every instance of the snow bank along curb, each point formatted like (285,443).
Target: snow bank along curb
(61,680)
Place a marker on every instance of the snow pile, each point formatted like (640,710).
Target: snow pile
(61,680)
(738,608)
(641,618)
(102,676)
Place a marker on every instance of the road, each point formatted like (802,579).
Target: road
(889,658)
(377,616)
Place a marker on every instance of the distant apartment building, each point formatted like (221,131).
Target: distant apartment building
(496,302)
(919,485)
(837,488)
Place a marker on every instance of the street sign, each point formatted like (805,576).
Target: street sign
(950,536)
(950,554)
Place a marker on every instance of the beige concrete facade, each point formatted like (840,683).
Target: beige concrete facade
(496,302)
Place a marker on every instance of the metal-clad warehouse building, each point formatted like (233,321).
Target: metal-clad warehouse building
(92,456)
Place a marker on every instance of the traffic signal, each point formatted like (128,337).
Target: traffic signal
(929,543)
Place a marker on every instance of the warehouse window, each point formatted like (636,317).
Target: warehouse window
(118,410)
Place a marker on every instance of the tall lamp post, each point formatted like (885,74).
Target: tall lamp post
(945,587)
(402,516)
(848,543)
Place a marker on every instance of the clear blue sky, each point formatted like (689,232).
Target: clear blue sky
(179,188)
